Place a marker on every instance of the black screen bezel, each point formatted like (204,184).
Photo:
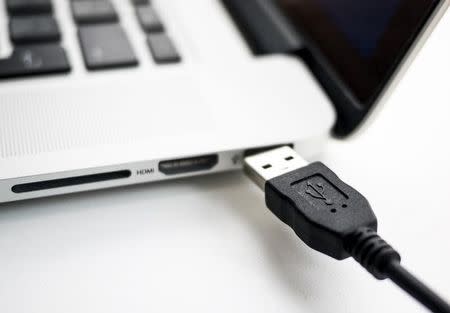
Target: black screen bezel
(363,78)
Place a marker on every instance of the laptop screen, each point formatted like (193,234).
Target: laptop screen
(363,41)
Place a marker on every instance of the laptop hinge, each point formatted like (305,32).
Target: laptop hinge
(264,27)
(268,31)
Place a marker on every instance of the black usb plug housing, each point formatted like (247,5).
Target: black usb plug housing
(321,209)
(331,217)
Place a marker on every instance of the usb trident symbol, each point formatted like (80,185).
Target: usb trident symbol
(317,191)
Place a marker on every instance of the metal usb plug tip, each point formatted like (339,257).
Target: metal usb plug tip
(267,165)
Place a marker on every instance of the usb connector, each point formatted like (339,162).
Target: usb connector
(311,199)
(265,166)
(331,217)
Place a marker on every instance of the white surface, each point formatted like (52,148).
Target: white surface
(208,244)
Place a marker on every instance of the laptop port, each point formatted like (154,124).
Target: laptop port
(253,151)
(70,181)
(188,165)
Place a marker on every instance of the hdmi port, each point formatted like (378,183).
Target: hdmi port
(188,165)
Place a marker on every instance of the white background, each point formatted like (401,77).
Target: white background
(208,244)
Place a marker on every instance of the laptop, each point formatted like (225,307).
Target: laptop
(104,93)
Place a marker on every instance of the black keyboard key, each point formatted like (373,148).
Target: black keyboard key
(26,7)
(33,29)
(105,46)
(149,19)
(95,11)
(162,49)
(140,2)
(35,60)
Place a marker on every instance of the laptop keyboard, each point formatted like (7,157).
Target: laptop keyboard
(36,37)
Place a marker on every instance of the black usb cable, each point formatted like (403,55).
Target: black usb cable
(331,217)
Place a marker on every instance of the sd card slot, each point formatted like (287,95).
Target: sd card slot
(70,181)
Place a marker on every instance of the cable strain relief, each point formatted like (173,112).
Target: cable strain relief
(371,251)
